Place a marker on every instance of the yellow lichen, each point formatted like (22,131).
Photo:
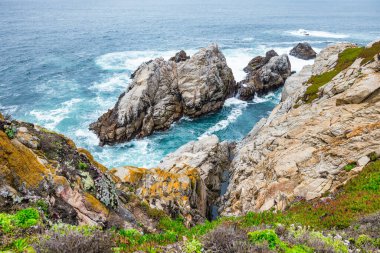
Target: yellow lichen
(92,160)
(94,204)
(1,117)
(20,164)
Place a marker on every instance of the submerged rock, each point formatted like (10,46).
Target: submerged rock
(300,152)
(303,51)
(264,74)
(163,91)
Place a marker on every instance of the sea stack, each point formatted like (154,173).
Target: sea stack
(164,91)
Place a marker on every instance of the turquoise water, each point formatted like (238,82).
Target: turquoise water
(64,63)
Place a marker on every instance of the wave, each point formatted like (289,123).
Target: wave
(131,60)
(320,34)
(115,82)
(51,118)
(238,106)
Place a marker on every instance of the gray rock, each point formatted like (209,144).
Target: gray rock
(264,74)
(163,91)
(303,51)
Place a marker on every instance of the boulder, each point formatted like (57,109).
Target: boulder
(303,51)
(209,156)
(163,91)
(264,74)
(180,56)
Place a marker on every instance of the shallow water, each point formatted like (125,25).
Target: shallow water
(64,63)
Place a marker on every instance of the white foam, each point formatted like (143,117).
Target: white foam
(237,60)
(131,60)
(51,118)
(249,39)
(237,111)
(86,136)
(320,34)
(116,82)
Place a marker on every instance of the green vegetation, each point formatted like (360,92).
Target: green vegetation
(349,166)
(306,226)
(345,60)
(193,246)
(22,219)
(83,166)
(10,132)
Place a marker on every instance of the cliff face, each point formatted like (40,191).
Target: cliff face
(322,133)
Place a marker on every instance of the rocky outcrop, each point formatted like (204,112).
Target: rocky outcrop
(39,166)
(179,193)
(180,56)
(163,91)
(264,74)
(187,182)
(303,51)
(301,152)
(210,157)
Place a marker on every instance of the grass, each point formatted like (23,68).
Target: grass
(350,166)
(345,60)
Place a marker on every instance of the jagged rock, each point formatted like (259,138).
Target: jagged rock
(209,156)
(178,192)
(163,91)
(264,74)
(303,51)
(187,182)
(300,152)
(37,164)
(180,56)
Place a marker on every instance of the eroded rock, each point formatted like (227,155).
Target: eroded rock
(303,51)
(264,74)
(300,152)
(163,91)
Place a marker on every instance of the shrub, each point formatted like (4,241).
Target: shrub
(82,166)
(27,217)
(267,235)
(349,166)
(193,246)
(67,239)
(10,132)
(228,239)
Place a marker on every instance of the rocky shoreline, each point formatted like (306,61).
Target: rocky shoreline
(323,133)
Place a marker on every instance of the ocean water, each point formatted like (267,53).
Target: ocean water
(64,62)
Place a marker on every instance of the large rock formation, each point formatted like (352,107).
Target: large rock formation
(264,74)
(302,151)
(303,51)
(163,91)
(187,182)
(39,166)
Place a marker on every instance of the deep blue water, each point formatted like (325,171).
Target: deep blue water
(64,63)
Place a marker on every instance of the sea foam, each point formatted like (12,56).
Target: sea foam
(320,34)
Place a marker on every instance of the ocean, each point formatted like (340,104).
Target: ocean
(63,63)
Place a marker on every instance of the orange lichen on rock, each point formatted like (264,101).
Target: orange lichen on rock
(359,130)
(94,204)
(92,160)
(19,165)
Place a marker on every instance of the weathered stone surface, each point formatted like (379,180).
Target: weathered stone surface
(300,152)
(37,164)
(303,51)
(264,74)
(163,91)
(178,192)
